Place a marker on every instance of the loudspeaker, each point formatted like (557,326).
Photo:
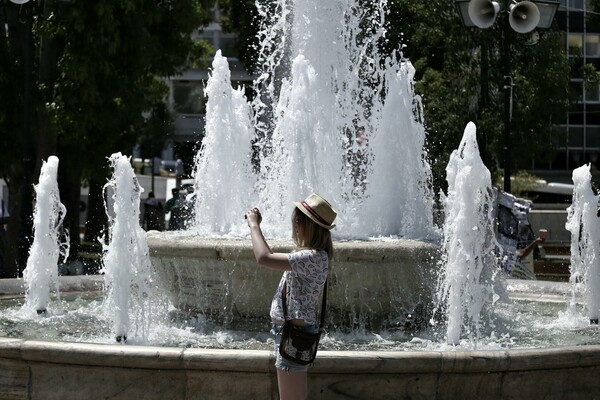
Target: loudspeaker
(524,16)
(483,12)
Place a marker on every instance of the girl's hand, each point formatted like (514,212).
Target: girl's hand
(253,217)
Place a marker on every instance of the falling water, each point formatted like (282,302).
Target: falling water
(131,289)
(41,272)
(469,266)
(323,81)
(584,225)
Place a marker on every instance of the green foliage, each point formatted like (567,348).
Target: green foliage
(522,183)
(201,54)
(240,16)
(460,76)
(113,57)
(110,58)
(98,88)
(11,89)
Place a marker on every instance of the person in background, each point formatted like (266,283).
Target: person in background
(520,270)
(176,206)
(154,216)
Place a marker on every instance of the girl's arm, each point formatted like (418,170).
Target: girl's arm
(262,252)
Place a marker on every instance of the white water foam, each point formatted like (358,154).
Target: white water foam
(133,300)
(584,225)
(41,273)
(322,82)
(469,266)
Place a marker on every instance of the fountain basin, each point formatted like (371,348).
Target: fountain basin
(374,282)
(50,370)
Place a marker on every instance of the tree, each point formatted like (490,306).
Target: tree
(110,59)
(241,17)
(460,77)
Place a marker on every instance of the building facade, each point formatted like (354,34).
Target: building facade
(187,99)
(582,123)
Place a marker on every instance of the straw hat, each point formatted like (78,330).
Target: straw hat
(318,209)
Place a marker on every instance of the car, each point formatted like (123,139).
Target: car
(168,167)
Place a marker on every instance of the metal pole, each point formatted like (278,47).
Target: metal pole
(152,173)
(507,101)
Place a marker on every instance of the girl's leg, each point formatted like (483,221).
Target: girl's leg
(292,385)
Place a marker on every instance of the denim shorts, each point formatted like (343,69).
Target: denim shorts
(280,362)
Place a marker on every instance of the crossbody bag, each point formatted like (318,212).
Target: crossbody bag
(297,345)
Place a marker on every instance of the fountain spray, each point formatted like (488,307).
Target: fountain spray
(584,225)
(219,180)
(41,272)
(129,277)
(332,115)
(469,267)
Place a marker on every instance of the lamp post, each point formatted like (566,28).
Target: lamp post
(522,17)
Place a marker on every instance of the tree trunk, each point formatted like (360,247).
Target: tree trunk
(17,245)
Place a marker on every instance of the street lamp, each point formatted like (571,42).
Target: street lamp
(523,17)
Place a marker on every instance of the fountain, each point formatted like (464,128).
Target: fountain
(584,226)
(41,272)
(130,281)
(469,263)
(333,86)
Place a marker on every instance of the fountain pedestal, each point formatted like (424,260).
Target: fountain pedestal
(373,282)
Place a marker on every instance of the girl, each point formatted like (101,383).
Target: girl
(306,271)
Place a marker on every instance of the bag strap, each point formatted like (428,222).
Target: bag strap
(323,303)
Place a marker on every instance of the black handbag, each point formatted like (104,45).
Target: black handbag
(297,345)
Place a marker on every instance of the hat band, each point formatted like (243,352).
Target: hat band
(314,213)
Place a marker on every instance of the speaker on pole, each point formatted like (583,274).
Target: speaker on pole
(483,12)
(524,16)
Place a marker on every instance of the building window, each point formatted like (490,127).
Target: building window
(575,43)
(592,45)
(592,137)
(576,136)
(188,97)
(576,89)
(560,160)
(577,5)
(592,95)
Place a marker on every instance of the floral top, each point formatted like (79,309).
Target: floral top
(304,284)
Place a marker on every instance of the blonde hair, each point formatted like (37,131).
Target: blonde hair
(314,236)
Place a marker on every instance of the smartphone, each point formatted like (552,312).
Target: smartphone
(542,233)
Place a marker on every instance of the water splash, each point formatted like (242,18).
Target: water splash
(323,81)
(132,298)
(584,225)
(469,267)
(41,273)
(224,184)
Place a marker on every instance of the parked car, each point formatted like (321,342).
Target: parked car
(168,167)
